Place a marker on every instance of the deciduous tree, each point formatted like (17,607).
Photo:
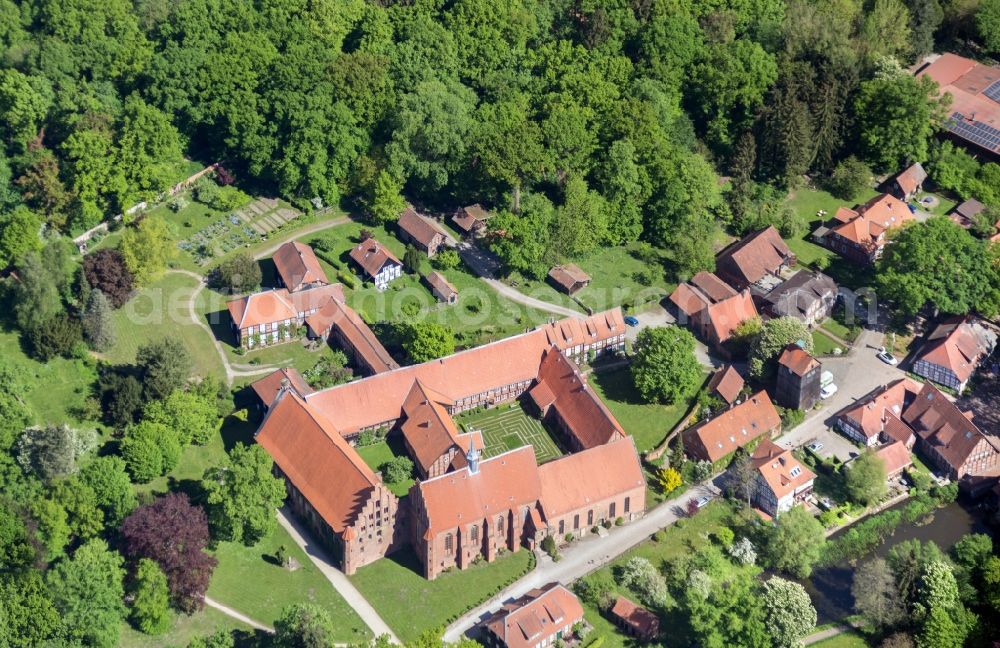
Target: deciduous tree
(795,543)
(150,598)
(876,597)
(174,533)
(242,495)
(896,118)
(427,341)
(98,323)
(192,416)
(164,366)
(107,477)
(88,591)
(865,478)
(665,368)
(774,336)
(150,449)
(106,271)
(239,273)
(304,625)
(147,247)
(788,611)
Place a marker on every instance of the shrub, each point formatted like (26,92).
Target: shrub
(549,547)
(446,260)
(660,536)
(397,470)
(724,536)
(606,524)
(639,575)
(619,521)
(569,537)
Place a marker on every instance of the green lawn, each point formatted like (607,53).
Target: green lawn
(57,388)
(410,603)
(648,423)
(945,203)
(378,453)
(844,640)
(479,316)
(618,277)
(182,631)
(833,326)
(508,427)
(824,344)
(248,579)
(160,311)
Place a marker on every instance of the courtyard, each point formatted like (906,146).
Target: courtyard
(508,427)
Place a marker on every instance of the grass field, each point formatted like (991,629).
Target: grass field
(617,276)
(845,640)
(410,603)
(508,427)
(248,579)
(160,311)
(648,423)
(378,453)
(57,388)
(824,344)
(183,629)
(838,329)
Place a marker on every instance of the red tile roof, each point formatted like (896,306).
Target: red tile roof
(879,214)
(726,316)
(797,360)
(297,265)
(566,390)
(965,80)
(875,414)
(643,622)
(267,387)
(441,285)
(279,304)
(377,399)
(537,615)
(777,465)
(573,481)
(506,481)
(940,423)
(365,345)
(755,256)
(895,456)
(688,299)
(372,256)
(428,428)
(567,276)
(735,427)
(418,227)
(727,382)
(714,288)
(955,345)
(467,218)
(911,178)
(310,451)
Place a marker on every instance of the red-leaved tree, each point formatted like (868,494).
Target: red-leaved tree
(174,533)
(106,271)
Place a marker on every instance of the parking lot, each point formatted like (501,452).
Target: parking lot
(833,444)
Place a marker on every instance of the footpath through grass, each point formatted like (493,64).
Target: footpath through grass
(183,629)
(160,311)
(250,580)
(410,603)
(648,423)
(843,640)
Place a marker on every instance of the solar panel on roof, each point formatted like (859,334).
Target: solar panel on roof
(974,131)
(993,91)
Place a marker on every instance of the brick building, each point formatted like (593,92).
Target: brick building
(798,378)
(741,426)
(540,618)
(953,351)
(426,235)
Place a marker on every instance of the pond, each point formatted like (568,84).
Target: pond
(830,587)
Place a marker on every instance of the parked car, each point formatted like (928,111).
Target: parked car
(828,390)
(887,358)
(825,503)
(702,502)
(816,446)
(631,321)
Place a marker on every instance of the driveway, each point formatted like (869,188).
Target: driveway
(582,557)
(659,316)
(855,374)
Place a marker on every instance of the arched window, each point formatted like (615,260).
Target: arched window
(448,543)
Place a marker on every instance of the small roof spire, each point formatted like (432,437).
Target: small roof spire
(472,456)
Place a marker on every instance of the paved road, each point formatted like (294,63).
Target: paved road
(336,577)
(582,557)
(239,616)
(855,374)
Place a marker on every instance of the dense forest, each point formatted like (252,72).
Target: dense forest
(591,121)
